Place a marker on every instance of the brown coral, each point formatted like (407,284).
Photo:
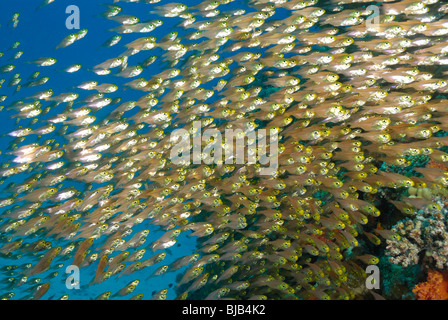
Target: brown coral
(435,288)
(436,164)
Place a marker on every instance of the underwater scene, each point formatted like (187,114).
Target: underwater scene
(224,150)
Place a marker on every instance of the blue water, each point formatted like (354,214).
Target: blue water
(39,32)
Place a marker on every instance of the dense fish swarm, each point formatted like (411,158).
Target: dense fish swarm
(346,85)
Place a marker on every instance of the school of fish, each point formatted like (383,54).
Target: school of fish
(344,88)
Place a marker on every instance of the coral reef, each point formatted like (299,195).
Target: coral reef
(423,238)
(397,281)
(418,161)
